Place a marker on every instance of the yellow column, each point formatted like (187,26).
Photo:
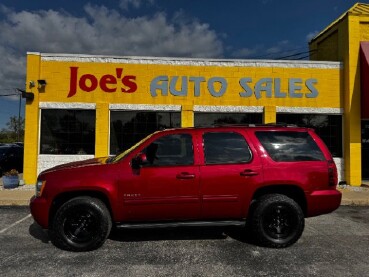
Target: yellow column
(352,117)
(102,130)
(270,114)
(32,127)
(187,116)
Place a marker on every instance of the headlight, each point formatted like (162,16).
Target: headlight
(40,187)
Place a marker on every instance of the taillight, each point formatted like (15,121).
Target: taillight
(332,173)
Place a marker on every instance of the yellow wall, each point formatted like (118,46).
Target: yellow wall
(57,74)
(342,39)
(31,141)
(352,116)
(328,49)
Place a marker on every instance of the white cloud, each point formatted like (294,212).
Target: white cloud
(261,52)
(99,31)
(12,70)
(125,4)
(281,46)
(311,35)
(245,53)
(136,4)
(281,49)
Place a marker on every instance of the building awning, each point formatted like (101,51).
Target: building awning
(364,77)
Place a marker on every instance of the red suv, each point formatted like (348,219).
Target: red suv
(268,178)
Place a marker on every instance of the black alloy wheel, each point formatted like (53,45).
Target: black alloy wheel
(81,224)
(277,221)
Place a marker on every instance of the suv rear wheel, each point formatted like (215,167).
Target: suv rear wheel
(277,221)
(81,224)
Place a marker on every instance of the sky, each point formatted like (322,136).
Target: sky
(233,29)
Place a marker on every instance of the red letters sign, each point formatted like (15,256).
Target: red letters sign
(107,83)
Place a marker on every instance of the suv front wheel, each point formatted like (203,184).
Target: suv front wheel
(277,221)
(81,224)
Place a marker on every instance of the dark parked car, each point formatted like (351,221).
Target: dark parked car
(11,157)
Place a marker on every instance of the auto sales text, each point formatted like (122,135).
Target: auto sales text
(194,85)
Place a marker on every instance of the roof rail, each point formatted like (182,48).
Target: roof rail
(279,124)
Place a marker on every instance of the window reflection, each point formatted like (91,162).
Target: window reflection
(211,119)
(290,146)
(225,148)
(328,127)
(67,131)
(129,127)
(170,150)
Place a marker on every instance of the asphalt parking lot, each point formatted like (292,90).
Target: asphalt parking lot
(332,245)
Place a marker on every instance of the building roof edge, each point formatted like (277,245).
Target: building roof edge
(188,61)
(358,9)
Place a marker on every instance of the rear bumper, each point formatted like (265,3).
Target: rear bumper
(323,202)
(40,211)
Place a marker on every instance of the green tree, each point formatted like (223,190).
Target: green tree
(14,130)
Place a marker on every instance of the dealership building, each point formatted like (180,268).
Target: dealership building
(85,106)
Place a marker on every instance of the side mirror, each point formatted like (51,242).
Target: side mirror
(139,160)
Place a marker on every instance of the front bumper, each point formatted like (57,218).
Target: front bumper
(323,202)
(40,211)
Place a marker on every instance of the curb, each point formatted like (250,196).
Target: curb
(16,197)
(14,202)
(348,202)
(354,196)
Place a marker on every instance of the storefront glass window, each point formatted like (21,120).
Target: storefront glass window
(328,127)
(66,132)
(129,127)
(211,119)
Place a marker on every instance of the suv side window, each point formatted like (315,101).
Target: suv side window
(170,150)
(225,148)
(284,146)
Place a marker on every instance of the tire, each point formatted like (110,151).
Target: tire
(277,221)
(81,224)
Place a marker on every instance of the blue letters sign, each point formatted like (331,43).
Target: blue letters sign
(217,87)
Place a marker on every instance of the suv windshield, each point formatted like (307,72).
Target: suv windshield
(121,155)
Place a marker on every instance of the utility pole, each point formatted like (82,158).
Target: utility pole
(19,118)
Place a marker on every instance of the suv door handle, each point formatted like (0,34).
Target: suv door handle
(185,175)
(249,172)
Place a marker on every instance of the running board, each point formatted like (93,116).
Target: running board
(148,225)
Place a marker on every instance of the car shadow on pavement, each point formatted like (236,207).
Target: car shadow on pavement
(181,233)
(37,232)
(161,234)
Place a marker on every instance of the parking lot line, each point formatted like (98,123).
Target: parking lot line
(15,223)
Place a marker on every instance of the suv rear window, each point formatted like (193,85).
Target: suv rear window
(285,146)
